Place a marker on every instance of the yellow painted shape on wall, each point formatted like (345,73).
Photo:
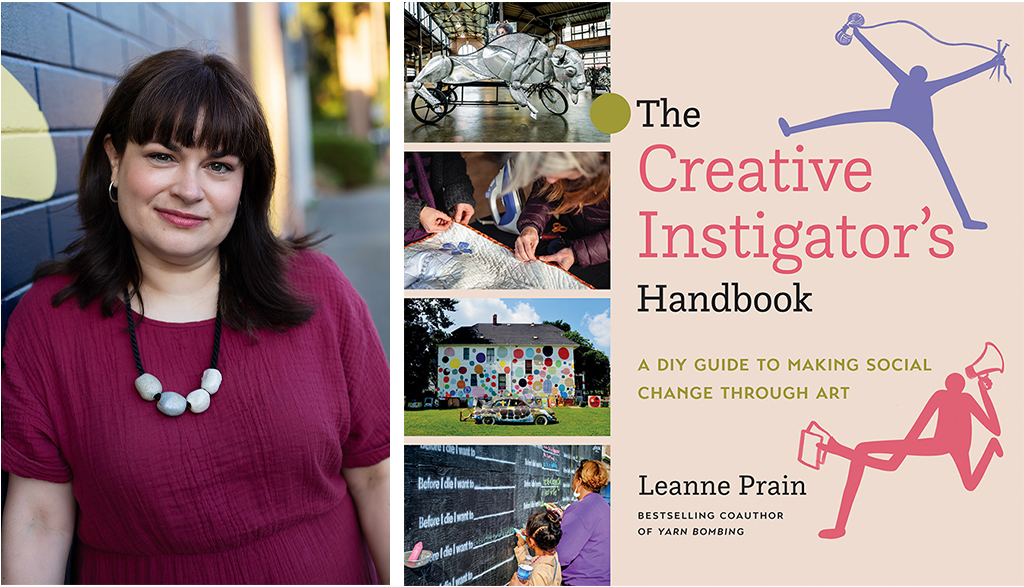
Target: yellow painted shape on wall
(29,161)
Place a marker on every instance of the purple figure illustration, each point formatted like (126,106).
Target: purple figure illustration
(911,105)
(954,411)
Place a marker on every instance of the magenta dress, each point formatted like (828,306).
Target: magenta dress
(249,491)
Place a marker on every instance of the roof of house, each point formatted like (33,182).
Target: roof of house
(509,334)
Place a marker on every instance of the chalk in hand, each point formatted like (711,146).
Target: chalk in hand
(554,508)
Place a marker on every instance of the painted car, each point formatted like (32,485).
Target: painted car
(514,410)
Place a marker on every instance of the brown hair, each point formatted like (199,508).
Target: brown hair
(592,474)
(193,100)
(569,195)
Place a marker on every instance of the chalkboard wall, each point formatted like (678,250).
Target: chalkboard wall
(465,502)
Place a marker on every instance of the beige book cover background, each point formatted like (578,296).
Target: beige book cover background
(877,295)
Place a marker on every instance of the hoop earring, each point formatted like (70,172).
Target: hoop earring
(110,193)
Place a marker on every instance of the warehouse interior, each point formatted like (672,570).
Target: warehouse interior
(483,110)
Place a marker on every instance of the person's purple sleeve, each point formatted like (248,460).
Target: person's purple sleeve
(592,249)
(574,536)
(536,213)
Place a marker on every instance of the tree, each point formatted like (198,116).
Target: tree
(348,62)
(590,362)
(324,82)
(425,324)
(362,44)
(561,325)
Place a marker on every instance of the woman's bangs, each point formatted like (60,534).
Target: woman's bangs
(191,110)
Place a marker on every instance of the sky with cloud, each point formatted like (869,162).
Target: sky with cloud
(591,317)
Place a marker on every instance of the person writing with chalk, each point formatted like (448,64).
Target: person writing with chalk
(542,533)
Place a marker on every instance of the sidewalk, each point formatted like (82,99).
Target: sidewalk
(358,222)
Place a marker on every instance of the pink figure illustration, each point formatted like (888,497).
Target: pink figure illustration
(954,410)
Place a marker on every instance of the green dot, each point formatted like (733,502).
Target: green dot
(610,113)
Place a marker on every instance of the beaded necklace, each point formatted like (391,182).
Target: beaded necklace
(169,402)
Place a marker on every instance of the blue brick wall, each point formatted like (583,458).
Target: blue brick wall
(68,56)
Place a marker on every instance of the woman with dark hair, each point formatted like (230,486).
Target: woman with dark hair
(178,298)
(585,549)
(543,531)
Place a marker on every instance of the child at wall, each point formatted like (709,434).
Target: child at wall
(542,533)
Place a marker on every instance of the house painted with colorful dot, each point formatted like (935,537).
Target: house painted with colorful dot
(532,361)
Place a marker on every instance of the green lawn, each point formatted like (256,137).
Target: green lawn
(571,422)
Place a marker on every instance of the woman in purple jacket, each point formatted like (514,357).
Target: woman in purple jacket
(585,548)
(575,189)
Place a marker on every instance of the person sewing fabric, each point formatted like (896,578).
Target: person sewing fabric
(187,397)
(575,190)
(438,191)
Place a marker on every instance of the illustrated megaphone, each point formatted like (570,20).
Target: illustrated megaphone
(991,360)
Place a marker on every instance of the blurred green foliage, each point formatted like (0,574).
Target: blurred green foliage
(324,83)
(341,159)
(321,21)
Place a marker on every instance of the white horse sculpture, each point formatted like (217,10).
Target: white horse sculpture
(520,60)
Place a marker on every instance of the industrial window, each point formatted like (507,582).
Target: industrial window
(590,30)
(427,22)
(595,59)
